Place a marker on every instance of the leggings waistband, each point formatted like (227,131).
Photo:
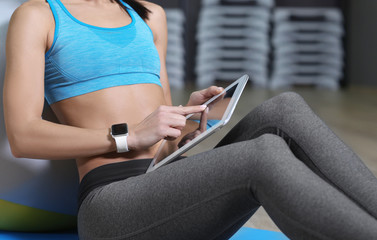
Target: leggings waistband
(109,173)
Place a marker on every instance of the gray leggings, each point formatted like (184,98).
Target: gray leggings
(280,156)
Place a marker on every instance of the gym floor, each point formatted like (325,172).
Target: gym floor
(351,113)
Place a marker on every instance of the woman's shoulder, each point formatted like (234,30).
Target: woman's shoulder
(34,6)
(156,19)
(32,11)
(33,20)
(156,11)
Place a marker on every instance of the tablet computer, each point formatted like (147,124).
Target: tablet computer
(218,113)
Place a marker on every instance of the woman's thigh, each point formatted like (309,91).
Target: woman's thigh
(312,142)
(199,197)
(209,195)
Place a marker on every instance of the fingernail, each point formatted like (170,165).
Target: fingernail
(203,106)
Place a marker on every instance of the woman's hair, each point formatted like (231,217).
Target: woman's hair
(137,6)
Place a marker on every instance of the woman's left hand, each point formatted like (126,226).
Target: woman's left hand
(200,97)
(202,127)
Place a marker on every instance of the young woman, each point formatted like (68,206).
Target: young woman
(102,62)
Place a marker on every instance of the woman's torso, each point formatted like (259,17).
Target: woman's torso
(100,109)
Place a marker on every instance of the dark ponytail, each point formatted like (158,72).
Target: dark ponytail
(137,6)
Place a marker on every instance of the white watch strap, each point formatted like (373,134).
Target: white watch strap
(121,142)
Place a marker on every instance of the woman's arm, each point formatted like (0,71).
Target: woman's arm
(32,137)
(158,25)
(29,135)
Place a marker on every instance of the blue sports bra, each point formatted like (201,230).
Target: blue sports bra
(85,58)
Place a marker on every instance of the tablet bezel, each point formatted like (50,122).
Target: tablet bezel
(224,120)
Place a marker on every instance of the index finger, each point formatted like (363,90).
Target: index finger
(189,110)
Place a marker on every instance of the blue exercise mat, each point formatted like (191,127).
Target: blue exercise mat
(243,234)
(37,236)
(257,234)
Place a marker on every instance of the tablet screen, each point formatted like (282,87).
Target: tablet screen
(211,116)
(199,126)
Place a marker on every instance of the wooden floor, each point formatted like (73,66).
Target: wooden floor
(350,113)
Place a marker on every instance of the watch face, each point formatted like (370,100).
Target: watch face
(118,129)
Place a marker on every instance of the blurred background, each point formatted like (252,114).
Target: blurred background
(274,35)
(326,50)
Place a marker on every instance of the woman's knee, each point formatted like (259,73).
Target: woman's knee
(279,110)
(287,102)
(289,96)
(269,143)
(266,146)
(272,151)
(273,110)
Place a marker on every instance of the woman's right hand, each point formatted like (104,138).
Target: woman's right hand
(166,122)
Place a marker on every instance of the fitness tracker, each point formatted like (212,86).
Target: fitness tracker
(120,132)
